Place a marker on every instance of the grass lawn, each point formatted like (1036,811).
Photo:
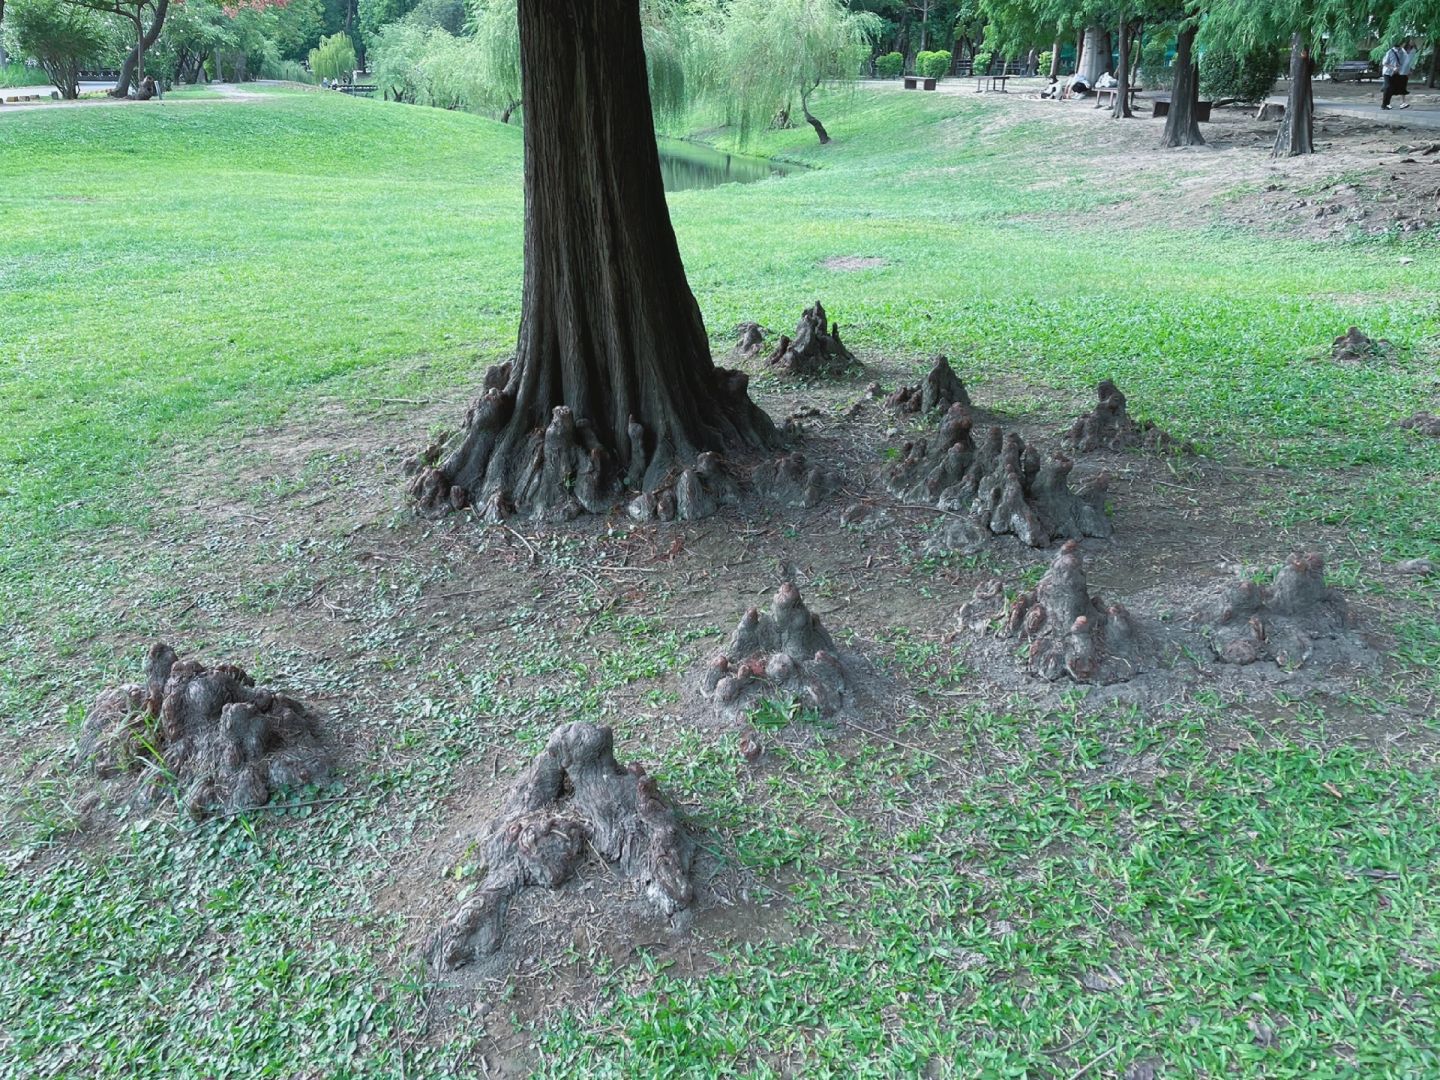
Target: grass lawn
(993,890)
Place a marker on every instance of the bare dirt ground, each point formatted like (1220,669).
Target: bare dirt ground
(1373,173)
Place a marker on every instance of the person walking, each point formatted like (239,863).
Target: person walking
(1396,71)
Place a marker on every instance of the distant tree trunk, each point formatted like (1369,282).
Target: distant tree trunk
(1079,50)
(1107,47)
(1181,126)
(1434,63)
(1093,62)
(133,69)
(1297,128)
(509,109)
(612,385)
(1032,61)
(1122,111)
(1055,59)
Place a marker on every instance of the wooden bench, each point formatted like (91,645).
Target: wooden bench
(1202,109)
(919,82)
(1106,95)
(981,82)
(356,88)
(1354,71)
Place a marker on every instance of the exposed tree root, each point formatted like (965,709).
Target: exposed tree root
(503,468)
(940,389)
(1070,633)
(1354,347)
(1423,423)
(751,338)
(791,481)
(815,352)
(1109,427)
(784,652)
(1280,621)
(225,743)
(573,796)
(1000,483)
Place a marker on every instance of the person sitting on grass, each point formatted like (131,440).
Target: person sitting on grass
(1078,86)
(1052,90)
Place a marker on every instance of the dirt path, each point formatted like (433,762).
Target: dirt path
(224,92)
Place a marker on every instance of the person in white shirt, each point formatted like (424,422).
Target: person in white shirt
(1396,71)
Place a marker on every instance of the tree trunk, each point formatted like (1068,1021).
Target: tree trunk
(1092,62)
(133,69)
(1297,129)
(1434,63)
(1055,59)
(1079,49)
(612,384)
(1121,111)
(508,111)
(1181,126)
(813,121)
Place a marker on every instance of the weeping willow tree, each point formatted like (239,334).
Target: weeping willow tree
(493,28)
(774,54)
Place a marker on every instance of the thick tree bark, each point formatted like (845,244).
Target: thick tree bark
(1079,49)
(1297,128)
(1434,63)
(612,385)
(1055,59)
(1122,111)
(133,70)
(1181,126)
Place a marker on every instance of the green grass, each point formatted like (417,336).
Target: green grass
(1032,893)
(16,74)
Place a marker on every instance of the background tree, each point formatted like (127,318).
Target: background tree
(60,36)
(333,58)
(612,384)
(778,52)
(147,17)
(1258,24)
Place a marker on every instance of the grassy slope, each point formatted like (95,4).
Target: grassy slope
(168,272)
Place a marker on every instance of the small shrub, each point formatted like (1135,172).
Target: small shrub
(889,66)
(1042,62)
(981,64)
(933,65)
(1246,77)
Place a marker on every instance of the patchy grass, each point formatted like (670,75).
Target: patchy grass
(991,887)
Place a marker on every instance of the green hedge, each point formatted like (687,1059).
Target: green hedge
(890,65)
(932,65)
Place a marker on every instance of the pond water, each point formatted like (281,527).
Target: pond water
(685,165)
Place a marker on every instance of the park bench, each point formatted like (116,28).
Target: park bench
(1106,95)
(356,88)
(919,82)
(984,84)
(1202,109)
(1354,71)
